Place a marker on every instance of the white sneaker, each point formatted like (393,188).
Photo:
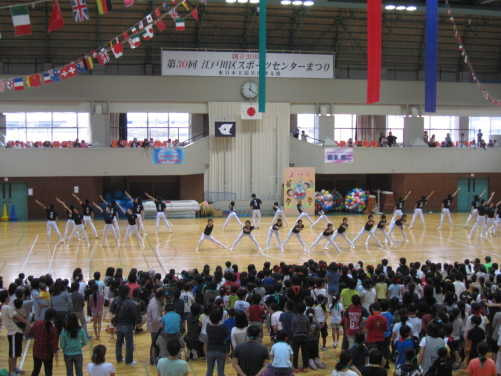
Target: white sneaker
(132,364)
(312,364)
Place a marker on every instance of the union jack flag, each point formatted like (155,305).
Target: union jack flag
(80,10)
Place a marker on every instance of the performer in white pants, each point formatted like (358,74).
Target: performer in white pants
(491,219)
(115,208)
(273,231)
(399,207)
(327,236)
(231,214)
(207,235)
(296,232)
(160,206)
(367,229)
(446,209)
(70,223)
(87,212)
(255,205)
(51,216)
(302,213)
(474,208)
(278,212)
(341,231)
(138,209)
(481,222)
(381,227)
(498,217)
(108,224)
(133,228)
(79,229)
(321,217)
(418,209)
(399,223)
(246,232)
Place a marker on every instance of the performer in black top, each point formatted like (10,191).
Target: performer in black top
(481,222)
(474,208)
(246,231)
(231,214)
(327,236)
(133,228)
(115,208)
(138,209)
(321,217)
(207,235)
(446,209)
(400,224)
(108,223)
(381,227)
(274,231)
(278,212)
(400,206)
(302,213)
(341,231)
(51,219)
(70,223)
(418,209)
(255,205)
(160,206)
(296,231)
(78,229)
(368,229)
(87,211)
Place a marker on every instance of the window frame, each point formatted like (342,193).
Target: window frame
(167,129)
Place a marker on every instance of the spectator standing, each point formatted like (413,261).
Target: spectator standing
(72,340)
(300,328)
(249,358)
(154,320)
(281,353)
(45,343)
(429,346)
(375,367)
(217,343)
(344,366)
(239,331)
(125,319)
(482,366)
(171,365)
(376,327)
(353,320)
(304,136)
(99,366)
(392,140)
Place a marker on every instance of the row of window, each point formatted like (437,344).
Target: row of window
(345,127)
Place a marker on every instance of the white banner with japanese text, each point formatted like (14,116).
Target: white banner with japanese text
(245,64)
(338,155)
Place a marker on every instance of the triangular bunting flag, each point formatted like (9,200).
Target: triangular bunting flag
(149,19)
(103,57)
(80,10)
(148,32)
(18,84)
(21,20)
(195,15)
(173,14)
(161,25)
(180,24)
(56,21)
(81,68)
(118,49)
(2,86)
(157,12)
(128,3)
(89,62)
(104,6)
(35,80)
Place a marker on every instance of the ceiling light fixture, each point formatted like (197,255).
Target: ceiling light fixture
(285,2)
(308,3)
(401,7)
(297,3)
(390,7)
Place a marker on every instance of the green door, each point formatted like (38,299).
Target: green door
(15,195)
(469,188)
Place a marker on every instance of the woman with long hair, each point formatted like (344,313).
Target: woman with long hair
(45,337)
(95,301)
(71,341)
(344,366)
(482,366)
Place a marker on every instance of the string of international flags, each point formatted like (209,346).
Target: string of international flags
(144,30)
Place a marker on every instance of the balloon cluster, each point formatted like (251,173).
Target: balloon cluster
(329,201)
(356,200)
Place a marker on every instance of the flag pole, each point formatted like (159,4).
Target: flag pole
(262,56)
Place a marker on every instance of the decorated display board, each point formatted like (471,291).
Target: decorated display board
(299,186)
(338,155)
(167,156)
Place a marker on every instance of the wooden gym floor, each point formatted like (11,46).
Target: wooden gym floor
(24,248)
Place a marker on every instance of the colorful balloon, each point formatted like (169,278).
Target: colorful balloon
(356,200)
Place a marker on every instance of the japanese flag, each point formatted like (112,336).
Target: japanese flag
(249,111)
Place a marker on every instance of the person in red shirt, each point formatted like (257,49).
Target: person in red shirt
(353,319)
(375,328)
(257,312)
(45,340)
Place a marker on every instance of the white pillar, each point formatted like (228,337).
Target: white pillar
(326,128)
(413,131)
(100,129)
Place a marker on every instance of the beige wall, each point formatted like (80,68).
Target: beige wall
(97,162)
(399,160)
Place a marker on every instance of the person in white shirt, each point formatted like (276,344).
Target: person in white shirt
(99,366)
(337,311)
(416,324)
(459,286)
(275,323)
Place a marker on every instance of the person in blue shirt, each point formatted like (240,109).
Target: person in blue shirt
(403,344)
(171,321)
(282,353)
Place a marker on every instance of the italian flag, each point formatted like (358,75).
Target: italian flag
(180,24)
(21,20)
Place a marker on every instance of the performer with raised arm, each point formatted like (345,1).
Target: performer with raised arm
(446,209)
(278,212)
(138,209)
(400,224)
(207,235)
(481,222)
(79,229)
(232,213)
(132,228)
(474,208)
(418,209)
(400,206)
(87,212)
(302,213)
(51,216)
(368,229)
(274,230)
(160,207)
(115,208)
(321,217)
(108,223)
(70,223)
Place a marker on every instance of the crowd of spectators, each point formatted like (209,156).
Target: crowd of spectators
(422,319)
(45,144)
(147,143)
